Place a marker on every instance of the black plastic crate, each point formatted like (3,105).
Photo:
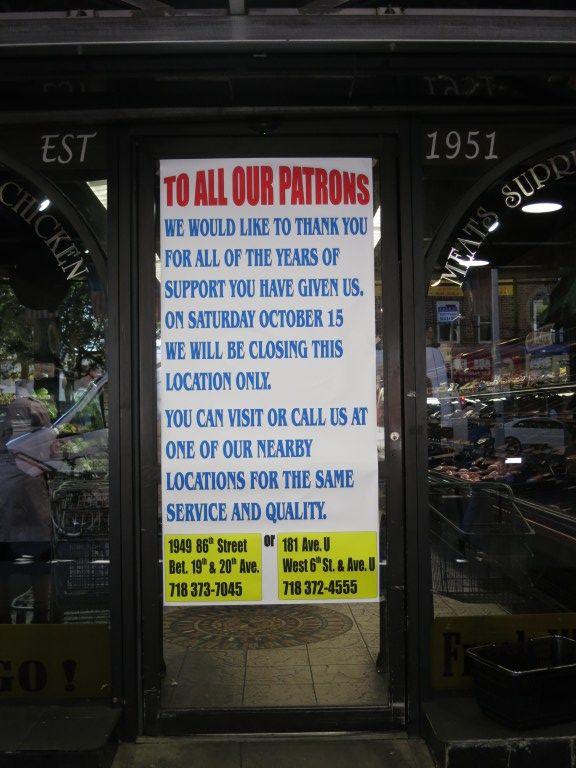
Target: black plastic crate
(526,685)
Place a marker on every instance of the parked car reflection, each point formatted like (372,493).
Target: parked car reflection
(536,431)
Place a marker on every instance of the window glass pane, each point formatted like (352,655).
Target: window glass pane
(54,522)
(501,416)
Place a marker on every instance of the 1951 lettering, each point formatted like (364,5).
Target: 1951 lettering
(461,145)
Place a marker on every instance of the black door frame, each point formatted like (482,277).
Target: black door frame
(137,153)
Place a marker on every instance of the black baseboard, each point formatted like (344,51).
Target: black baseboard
(460,736)
(58,736)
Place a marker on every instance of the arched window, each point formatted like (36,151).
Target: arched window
(502,421)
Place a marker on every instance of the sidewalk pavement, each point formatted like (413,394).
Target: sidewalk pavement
(280,751)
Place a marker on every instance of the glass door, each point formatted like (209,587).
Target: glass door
(271,339)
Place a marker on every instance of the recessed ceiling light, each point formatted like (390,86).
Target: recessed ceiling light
(541,207)
(473,262)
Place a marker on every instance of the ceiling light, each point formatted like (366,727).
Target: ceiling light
(541,207)
(473,262)
(44,204)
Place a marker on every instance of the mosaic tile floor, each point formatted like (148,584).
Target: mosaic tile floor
(237,627)
(273,656)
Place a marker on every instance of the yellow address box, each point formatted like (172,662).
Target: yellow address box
(328,566)
(212,568)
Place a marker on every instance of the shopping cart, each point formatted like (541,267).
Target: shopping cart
(80,549)
(480,540)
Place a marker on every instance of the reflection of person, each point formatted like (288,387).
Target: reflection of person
(81,385)
(495,470)
(25,515)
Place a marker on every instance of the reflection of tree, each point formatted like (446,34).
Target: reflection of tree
(16,341)
(562,312)
(82,333)
(561,309)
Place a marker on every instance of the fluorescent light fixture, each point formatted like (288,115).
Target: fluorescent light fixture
(100,189)
(541,207)
(494,226)
(377,227)
(513,460)
(473,262)
(44,204)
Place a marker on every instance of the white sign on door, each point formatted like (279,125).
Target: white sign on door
(268,381)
